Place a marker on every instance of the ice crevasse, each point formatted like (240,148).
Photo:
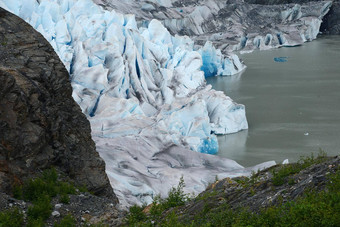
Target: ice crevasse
(121,71)
(143,90)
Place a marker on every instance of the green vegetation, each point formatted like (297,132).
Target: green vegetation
(312,209)
(205,196)
(41,208)
(136,214)
(67,221)
(281,176)
(46,185)
(64,198)
(4,42)
(12,217)
(176,197)
(39,192)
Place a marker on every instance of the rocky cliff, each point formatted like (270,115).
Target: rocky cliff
(40,124)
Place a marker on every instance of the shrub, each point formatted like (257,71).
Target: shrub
(66,188)
(176,196)
(41,208)
(136,215)
(67,221)
(17,192)
(45,185)
(64,198)
(35,222)
(35,188)
(12,217)
(50,175)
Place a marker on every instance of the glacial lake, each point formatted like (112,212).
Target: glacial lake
(292,107)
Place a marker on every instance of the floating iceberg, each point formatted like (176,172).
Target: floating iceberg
(281,59)
(144,93)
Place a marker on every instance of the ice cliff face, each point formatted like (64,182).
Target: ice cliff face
(232,25)
(144,93)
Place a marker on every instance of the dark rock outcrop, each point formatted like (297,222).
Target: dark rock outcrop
(40,124)
(331,22)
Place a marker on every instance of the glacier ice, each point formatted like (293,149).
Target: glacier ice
(214,63)
(144,93)
(233,25)
(108,57)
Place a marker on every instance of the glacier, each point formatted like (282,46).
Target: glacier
(232,25)
(144,92)
(158,75)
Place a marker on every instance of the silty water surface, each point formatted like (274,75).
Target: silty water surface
(293,106)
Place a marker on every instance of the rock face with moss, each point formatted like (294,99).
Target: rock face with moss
(40,124)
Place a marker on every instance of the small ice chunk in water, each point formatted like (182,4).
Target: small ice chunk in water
(286,161)
(281,59)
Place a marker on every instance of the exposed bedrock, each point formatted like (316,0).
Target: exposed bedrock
(331,22)
(232,25)
(40,123)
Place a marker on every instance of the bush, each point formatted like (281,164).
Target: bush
(66,188)
(35,222)
(67,221)
(17,192)
(12,217)
(41,208)
(64,198)
(136,215)
(176,196)
(35,188)
(48,184)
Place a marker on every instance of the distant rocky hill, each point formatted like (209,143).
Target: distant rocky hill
(40,123)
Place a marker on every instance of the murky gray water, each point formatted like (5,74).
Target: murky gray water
(293,107)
